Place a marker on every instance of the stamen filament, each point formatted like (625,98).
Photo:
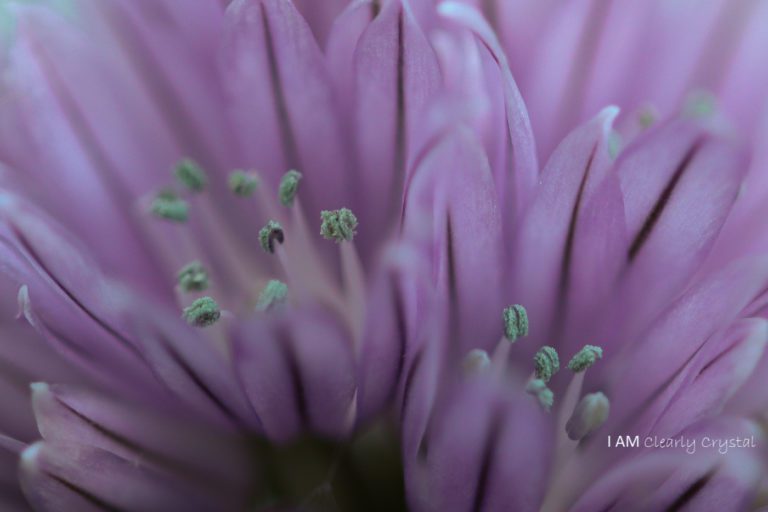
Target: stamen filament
(476,362)
(354,288)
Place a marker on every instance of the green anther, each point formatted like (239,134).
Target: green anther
(273,295)
(203,312)
(585,358)
(169,206)
(191,175)
(338,225)
(193,277)
(269,234)
(515,322)
(539,389)
(243,184)
(289,187)
(546,363)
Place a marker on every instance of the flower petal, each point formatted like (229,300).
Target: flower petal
(487,451)
(699,314)
(64,477)
(451,211)
(517,171)
(714,375)
(70,415)
(395,75)
(397,314)
(679,184)
(285,114)
(548,233)
(298,372)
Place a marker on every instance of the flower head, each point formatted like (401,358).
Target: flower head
(192,339)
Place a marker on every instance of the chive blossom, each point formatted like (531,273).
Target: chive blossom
(191,175)
(515,322)
(243,184)
(193,277)
(203,312)
(585,358)
(289,187)
(273,295)
(546,362)
(338,225)
(167,205)
(269,234)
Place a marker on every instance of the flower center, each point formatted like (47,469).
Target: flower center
(208,255)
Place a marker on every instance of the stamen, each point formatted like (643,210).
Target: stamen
(546,362)
(515,322)
(539,389)
(191,175)
(289,187)
(167,205)
(193,277)
(243,184)
(273,295)
(338,225)
(476,362)
(203,312)
(589,415)
(269,234)
(585,358)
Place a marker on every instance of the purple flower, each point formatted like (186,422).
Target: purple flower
(275,254)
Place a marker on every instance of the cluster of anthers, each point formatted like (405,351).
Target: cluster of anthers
(336,225)
(585,416)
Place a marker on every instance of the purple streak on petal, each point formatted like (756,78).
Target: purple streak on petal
(451,209)
(396,74)
(173,53)
(190,365)
(72,415)
(24,358)
(262,365)
(286,115)
(397,314)
(599,252)
(298,374)
(67,300)
(714,375)
(679,185)
(548,234)
(517,171)
(704,384)
(488,451)
(56,152)
(699,314)
(107,331)
(60,477)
